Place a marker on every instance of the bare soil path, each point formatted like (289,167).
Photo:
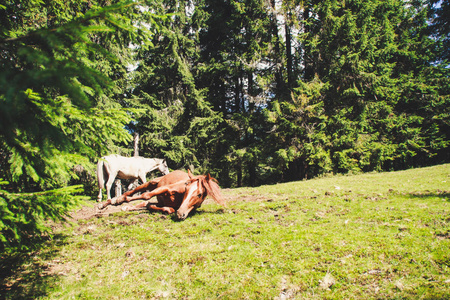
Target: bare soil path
(88,212)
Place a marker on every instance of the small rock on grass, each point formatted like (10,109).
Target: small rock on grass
(327,282)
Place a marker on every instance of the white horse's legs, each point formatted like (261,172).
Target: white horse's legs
(143,178)
(99,197)
(109,184)
(118,188)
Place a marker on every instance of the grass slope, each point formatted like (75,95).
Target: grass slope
(374,236)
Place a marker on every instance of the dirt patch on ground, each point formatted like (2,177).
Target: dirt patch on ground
(88,212)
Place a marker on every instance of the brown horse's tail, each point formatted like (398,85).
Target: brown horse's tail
(100,176)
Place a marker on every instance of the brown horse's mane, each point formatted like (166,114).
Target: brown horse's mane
(212,188)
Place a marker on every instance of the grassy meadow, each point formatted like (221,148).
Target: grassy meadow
(371,236)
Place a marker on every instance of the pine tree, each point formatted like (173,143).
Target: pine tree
(178,123)
(236,71)
(439,10)
(374,57)
(59,68)
(371,95)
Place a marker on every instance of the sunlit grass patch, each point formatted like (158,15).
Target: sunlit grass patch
(366,236)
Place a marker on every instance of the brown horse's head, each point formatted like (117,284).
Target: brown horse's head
(197,188)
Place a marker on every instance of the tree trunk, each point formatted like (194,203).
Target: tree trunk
(289,63)
(136,144)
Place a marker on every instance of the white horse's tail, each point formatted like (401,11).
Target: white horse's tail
(100,177)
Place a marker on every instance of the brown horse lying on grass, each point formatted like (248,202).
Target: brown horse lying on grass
(177,191)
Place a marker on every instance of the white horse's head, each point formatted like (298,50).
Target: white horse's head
(163,168)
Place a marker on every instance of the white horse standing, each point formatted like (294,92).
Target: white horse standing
(112,166)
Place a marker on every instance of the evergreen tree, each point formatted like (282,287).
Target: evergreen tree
(370,53)
(236,70)
(297,145)
(252,91)
(58,75)
(177,124)
(439,11)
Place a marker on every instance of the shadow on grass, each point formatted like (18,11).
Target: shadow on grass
(174,217)
(200,212)
(428,194)
(24,276)
(130,217)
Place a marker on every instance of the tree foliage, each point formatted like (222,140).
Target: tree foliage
(61,66)
(252,91)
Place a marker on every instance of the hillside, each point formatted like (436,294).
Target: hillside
(375,235)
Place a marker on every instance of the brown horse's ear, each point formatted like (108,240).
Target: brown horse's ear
(208,177)
(190,174)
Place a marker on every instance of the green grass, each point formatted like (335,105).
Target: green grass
(371,236)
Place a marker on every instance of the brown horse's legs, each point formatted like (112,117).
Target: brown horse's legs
(144,196)
(149,185)
(166,209)
(147,196)
(115,201)
(136,207)
(150,206)
(102,205)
